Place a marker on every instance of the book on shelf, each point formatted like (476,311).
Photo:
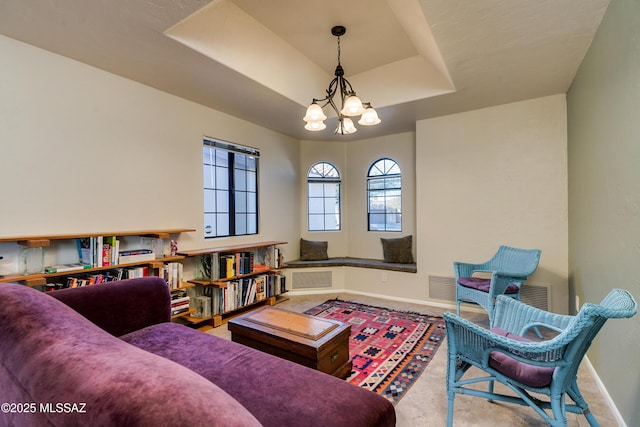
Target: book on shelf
(61,268)
(261,292)
(172,274)
(86,250)
(278,258)
(179,302)
(216,266)
(135,272)
(108,251)
(135,255)
(97,251)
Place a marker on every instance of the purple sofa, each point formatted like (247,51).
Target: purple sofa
(108,355)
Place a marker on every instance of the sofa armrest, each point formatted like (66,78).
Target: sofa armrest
(121,307)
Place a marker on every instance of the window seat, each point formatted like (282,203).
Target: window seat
(353,262)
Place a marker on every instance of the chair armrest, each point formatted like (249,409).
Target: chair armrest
(464,269)
(121,307)
(510,274)
(470,342)
(517,317)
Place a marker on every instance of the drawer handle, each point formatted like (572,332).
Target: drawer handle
(334,357)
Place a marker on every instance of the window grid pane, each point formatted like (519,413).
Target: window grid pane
(323,185)
(384,195)
(230,182)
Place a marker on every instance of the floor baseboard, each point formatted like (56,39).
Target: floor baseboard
(605,394)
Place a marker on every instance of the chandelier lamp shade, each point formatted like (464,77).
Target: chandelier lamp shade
(351,105)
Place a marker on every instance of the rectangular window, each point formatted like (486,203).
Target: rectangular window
(230,175)
(324,206)
(385,204)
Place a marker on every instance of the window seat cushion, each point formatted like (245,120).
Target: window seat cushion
(354,262)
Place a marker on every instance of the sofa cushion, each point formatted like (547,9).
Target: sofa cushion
(53,354)
(531,375)
(312,250)
(297,396)
(483,285)
(115,306)
(398,250)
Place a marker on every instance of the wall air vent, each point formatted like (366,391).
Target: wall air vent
(535,294)
(311,279)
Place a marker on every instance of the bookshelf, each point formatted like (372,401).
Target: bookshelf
(231,279)
(38,251)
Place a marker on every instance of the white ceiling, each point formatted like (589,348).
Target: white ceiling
(264,61)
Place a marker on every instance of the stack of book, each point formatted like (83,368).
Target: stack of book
(100,251)
(135,255)
(179,302)
(172,274)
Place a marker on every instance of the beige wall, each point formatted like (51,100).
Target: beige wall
(84,150)
(604,194)
(491,177)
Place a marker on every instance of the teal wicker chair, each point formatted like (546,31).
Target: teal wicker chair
(509,269)
(546,367)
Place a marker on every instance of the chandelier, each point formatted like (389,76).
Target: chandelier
(351,104)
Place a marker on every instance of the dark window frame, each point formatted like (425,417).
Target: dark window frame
(231,162)
(384,180)
(321,173)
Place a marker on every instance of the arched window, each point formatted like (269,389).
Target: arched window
(384,196)
(323,181)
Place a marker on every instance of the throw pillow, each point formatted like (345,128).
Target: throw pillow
(398,250)
(313,251)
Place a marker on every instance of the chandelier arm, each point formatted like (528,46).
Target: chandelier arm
(331,91)
(345,85)
(335,108)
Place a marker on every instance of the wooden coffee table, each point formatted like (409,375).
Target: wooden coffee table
(320,344)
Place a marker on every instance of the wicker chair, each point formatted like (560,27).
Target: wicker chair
(546,367)
(509,269)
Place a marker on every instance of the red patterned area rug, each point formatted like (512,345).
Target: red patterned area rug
(389,349)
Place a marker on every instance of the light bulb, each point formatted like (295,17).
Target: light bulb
(346,126)
(352,106)
(369,117)
(314,113)
(315,126)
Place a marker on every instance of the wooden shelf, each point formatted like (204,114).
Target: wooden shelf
(222,283)
(39,279)
(183,314)
(35,279)
(195,320)
(233,248)
(160,234)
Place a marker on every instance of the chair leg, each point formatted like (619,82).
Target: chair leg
(450,410)
(559,411)
(576,396)
(490,390)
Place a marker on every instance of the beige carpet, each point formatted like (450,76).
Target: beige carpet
(425,404)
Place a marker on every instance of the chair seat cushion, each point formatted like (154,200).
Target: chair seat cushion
(531,375)
(483,284)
